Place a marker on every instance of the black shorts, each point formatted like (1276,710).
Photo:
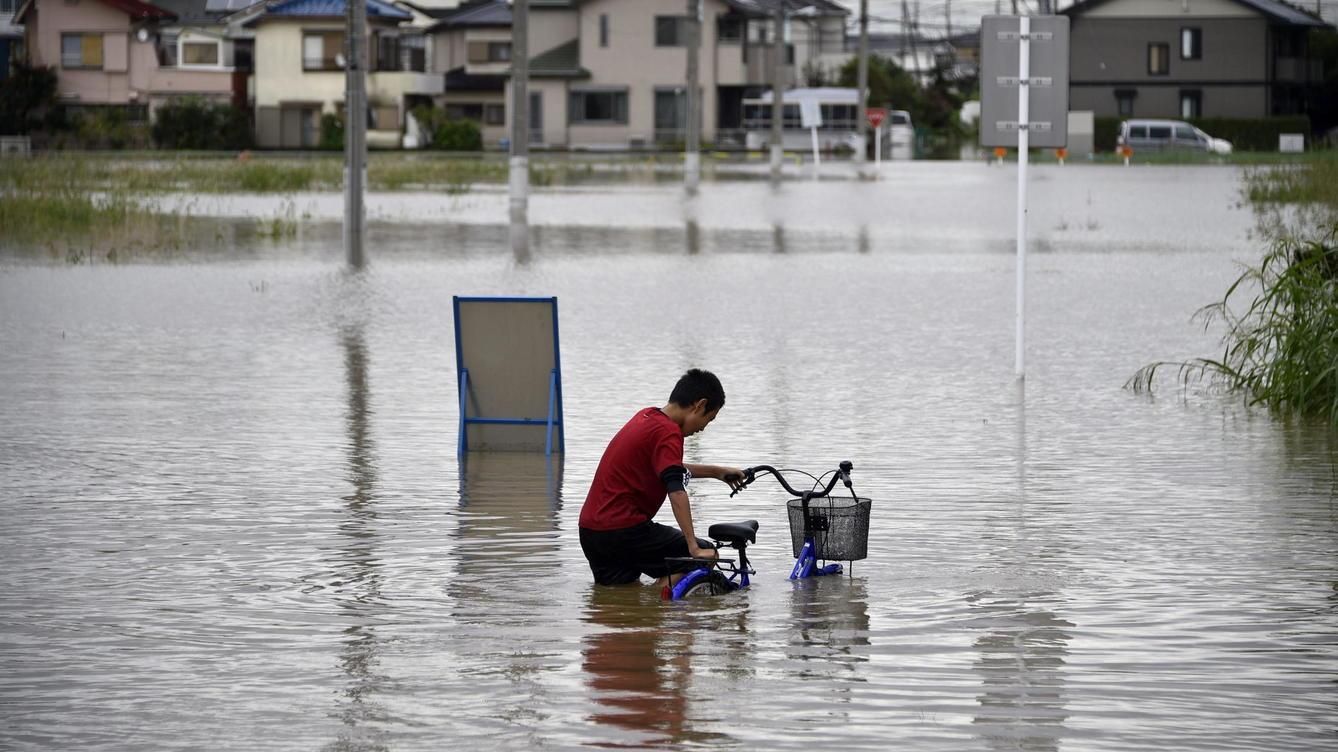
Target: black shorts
(618,557)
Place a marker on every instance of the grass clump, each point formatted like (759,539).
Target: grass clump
(1281,351)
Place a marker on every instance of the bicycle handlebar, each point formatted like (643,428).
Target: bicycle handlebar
(752,473)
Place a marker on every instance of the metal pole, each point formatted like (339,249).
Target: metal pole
(862,81)
(520,111)
(1023,144)
(355,131)
(777,87)
(693,146)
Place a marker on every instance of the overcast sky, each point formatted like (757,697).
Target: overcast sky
(885,15)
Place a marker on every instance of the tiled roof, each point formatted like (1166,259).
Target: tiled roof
(1274,9)
(136,9)
(563,61)
(486,13)
(326,8)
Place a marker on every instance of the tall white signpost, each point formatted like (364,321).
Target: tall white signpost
(1024,103)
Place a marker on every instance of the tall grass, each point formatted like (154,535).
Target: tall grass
(1281,350)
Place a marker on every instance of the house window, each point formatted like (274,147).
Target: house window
(200,53)
(494,114)
(603,30)
(1191,103)
(323,50)
(489,52)
(81,51)
(1191,44)
(1159,59)
(728,29)
(465,111)
(167,50)
(598,107)
(7,6)
(671,31)
(1124,102)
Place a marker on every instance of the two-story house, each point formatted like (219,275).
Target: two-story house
(617,80)
(300,71)
(130,54)
(1190,58)
(11,38)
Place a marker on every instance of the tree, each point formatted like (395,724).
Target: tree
(26,97)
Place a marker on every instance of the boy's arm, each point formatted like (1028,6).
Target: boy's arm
(731,475)
(678,501)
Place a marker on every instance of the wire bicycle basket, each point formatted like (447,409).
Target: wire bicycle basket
(840,527)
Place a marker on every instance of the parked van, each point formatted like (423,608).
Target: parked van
(1160,135)
(901,134)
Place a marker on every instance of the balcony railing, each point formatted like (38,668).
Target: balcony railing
(1298,70)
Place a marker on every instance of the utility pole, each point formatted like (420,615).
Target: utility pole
(355,131)
(915,45)
(905,33)
(947,17)
(862,81)
(777,87)
(693,146)
(520,111)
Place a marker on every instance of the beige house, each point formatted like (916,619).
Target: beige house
(616,80)
(128,53)
(299,63)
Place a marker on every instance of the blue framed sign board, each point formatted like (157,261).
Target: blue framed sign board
(508,374)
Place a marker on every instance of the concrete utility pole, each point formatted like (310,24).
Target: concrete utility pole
(693,145)
(777,89)
(862,81)
(355,131)
(947,17)
(520,111)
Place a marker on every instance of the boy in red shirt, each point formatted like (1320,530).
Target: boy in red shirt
(642,463)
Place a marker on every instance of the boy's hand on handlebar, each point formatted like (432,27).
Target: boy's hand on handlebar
(734,477)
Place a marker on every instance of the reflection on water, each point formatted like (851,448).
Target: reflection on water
(830,623)
(1021,661)
(357,566)
(639,660)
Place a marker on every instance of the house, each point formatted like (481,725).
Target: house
(11,38)
(616,80)
(474,59)
(1191,58)
(130,54)
(299,63)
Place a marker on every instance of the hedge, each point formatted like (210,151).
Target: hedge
(194,123)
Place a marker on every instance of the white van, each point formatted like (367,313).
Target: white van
(1161,135)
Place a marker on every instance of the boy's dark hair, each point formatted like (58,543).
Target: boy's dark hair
(698,384)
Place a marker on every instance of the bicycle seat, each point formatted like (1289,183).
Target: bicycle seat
(734,532)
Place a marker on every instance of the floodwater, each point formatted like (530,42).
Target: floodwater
(234,517)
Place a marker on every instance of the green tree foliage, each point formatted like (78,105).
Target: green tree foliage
(197,124)
(447,134)
(934,106)
(26,99)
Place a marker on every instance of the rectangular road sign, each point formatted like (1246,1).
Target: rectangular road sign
(1048,81)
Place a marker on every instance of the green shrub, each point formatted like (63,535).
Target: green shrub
(1282,351)
(1254,135)
(1107,130)
(194,123)
(332,133)
(26,96)
(458,135)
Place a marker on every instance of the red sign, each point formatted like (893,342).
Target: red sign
(875,116)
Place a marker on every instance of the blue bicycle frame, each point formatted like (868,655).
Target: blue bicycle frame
(739,535)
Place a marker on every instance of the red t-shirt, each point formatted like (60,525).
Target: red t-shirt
(627,489)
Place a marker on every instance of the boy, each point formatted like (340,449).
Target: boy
(642,463)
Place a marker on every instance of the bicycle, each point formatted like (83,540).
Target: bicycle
(835,530)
